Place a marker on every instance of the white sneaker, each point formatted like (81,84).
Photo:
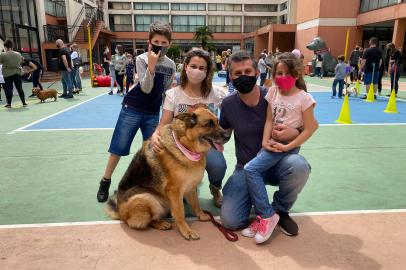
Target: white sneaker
(252,229)
(265,228)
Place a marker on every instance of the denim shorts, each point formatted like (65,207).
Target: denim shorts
(128,123)
(368,77)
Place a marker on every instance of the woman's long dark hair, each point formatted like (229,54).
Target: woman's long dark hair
(295,68)
(207,82)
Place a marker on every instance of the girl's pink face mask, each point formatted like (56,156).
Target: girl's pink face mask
(285,83)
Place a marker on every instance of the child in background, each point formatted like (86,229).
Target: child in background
(129,72)
(319,66)
(112,77)
(288,104)
(340,72)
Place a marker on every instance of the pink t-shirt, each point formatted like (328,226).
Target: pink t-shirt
(289,110)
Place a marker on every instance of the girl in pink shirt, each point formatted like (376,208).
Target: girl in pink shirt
(289,104)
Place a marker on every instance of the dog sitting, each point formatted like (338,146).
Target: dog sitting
(45,94)
(156,183)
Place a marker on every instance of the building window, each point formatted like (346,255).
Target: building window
(120,23)
(283,19)
(187,23)
(225,7)
(283,6)
(55,8)
(151,6)
(367,5)
(253,23)
(142,22)
(188,7)
(120,5)
(260,8)
(225,24)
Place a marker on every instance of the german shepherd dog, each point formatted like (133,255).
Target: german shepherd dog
(156,183)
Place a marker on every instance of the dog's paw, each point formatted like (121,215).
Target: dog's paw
(204,217)
(189,234)
(161,225)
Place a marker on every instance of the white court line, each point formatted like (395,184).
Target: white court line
(63,129)
(52,115)
(362,124)
(97,129)
(90,223)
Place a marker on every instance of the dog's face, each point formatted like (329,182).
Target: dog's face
(316,44)
(200,130)
(35,91)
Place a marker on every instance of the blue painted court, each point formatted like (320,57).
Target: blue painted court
(102,112)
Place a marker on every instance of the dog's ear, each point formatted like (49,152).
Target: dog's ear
(190,119)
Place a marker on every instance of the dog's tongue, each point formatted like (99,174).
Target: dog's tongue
(219,147)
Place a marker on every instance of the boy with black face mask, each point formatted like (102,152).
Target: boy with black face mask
(142,103)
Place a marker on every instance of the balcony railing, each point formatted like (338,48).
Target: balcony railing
(121,27)
(54,32)
(225,28)
(56,9)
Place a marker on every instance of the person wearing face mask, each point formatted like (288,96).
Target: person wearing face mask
(196,90)
(142,103)
(119,60)
(256,116)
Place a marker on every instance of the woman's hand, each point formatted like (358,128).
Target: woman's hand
(156,142)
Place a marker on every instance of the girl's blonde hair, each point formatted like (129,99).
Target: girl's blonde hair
(295,68)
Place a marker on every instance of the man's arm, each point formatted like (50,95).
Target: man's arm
(65,62)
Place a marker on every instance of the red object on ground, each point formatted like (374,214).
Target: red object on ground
(102,81)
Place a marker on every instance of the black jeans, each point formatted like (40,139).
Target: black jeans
(394,81)
(129,80)
(18,82)
(381,72)
(36,75)
(120,80)
(106,68)
(355,72)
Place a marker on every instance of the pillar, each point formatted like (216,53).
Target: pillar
(399,32)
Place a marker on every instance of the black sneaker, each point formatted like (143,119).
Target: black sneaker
(33,95)
(287,225)
(7,106)
(111,92)
(62,96)
(103,192)
(69,96)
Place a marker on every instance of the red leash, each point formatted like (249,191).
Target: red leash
(231,236)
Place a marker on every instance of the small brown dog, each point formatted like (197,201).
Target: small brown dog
(45,94)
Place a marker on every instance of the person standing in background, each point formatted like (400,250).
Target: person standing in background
(2,85)
(11,61)
(65,66)
(119,61)
(371,62)
(354,62)
(76,62)
(35,70)
(106,61)
(394,62)
(262,69)
(218,63)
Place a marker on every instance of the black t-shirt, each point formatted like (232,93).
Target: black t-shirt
(64,51)
(372,55)
(35,62)
(247,124)
(106,56)
(397,56)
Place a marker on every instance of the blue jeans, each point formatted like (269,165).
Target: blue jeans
(66,82)
(290,174)
(255,171)
(262,77)
(128,123)
(75,76)
(216,167)
(340,87)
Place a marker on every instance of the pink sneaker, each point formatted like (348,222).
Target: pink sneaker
(265,228)
(252,229)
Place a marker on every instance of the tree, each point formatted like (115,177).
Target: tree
(203,34)
(173,52)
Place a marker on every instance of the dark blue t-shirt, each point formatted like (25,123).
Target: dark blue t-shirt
(247,124)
